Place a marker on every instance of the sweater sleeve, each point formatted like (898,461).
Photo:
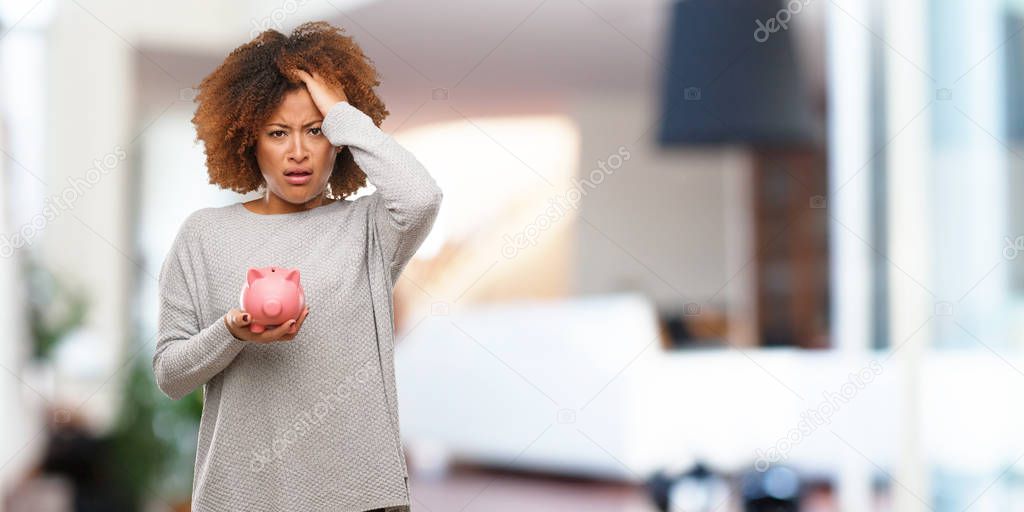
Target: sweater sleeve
(407,197)
(186,356)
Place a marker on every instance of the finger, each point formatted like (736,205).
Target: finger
(278,332)
(298,325)
(302,318)
(240,319)
(235,317)
(302,75)
(236,321)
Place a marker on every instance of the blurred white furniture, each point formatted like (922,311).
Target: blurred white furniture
(583,387)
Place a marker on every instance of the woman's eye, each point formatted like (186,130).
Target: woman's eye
(315,130)
(275,132)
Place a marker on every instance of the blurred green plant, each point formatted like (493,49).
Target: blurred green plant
(154,437)
(54,307)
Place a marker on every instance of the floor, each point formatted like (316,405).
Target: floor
(469,489)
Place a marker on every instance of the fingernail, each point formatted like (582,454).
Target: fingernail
(291,322)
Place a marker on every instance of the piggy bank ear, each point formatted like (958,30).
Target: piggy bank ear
(292,275)
(253,274)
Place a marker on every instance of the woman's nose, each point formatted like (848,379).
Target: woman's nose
(298,151)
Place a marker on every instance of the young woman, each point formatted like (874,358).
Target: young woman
(306,420)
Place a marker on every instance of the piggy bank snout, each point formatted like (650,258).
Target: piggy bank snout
(272,307)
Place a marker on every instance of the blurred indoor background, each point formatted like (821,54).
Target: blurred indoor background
(694,255)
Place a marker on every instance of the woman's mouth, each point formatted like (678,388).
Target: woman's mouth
(298,176)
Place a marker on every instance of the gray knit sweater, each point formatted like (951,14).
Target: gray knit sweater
(310,424)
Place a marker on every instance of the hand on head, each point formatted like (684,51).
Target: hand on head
(324,96)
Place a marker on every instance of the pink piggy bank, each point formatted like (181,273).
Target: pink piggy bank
(273,296)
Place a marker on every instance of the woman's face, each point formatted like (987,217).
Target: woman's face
(294,156)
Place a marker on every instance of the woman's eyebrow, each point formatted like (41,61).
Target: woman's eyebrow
(286,126)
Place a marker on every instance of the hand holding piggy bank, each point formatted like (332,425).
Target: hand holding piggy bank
(273,296)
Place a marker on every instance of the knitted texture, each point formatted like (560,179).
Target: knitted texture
(310,424)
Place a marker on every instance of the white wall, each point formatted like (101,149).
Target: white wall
(660,223)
